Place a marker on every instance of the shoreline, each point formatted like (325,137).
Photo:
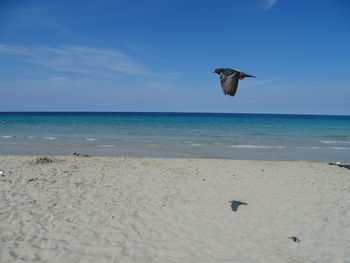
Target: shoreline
(121,209)
(160,158)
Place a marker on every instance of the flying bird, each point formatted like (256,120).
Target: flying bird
(229,79)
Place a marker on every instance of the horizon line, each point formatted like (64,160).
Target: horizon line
(178,112)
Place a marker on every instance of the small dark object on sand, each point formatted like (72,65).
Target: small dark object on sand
(295,239)
(43,160)
(80,154)
(347,166)
(32,179)
(235,204)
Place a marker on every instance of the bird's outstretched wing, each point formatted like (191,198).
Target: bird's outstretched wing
(229,84)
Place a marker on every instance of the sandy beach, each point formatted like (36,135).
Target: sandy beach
(108,209)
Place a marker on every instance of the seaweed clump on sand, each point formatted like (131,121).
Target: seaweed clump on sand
(44,159)
(80,154)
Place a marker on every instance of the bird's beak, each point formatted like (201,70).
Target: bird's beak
(245,75)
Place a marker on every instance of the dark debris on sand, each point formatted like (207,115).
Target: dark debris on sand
(44,159)
(295,239)
(80,154)
(347,166)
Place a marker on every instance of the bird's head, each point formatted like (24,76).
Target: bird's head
(218,71)
(243,75)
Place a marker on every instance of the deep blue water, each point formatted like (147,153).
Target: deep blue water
(194,135)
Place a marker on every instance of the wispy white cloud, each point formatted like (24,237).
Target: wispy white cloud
(269,3)
(78,59)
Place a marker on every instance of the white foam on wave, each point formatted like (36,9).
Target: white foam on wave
(50,138)
(31,137)
(331,148)
(284,147)
(107,145)
(8,136)
(335,142)
(341,148)
(258,146)
(90,139)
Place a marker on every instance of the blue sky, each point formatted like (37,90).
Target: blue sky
(158,55)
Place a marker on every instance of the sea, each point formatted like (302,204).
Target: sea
(177,135)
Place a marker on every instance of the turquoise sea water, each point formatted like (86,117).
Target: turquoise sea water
(189,135)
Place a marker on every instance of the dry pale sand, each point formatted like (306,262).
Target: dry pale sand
(102,209)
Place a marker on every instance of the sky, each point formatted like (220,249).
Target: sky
(159,55)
